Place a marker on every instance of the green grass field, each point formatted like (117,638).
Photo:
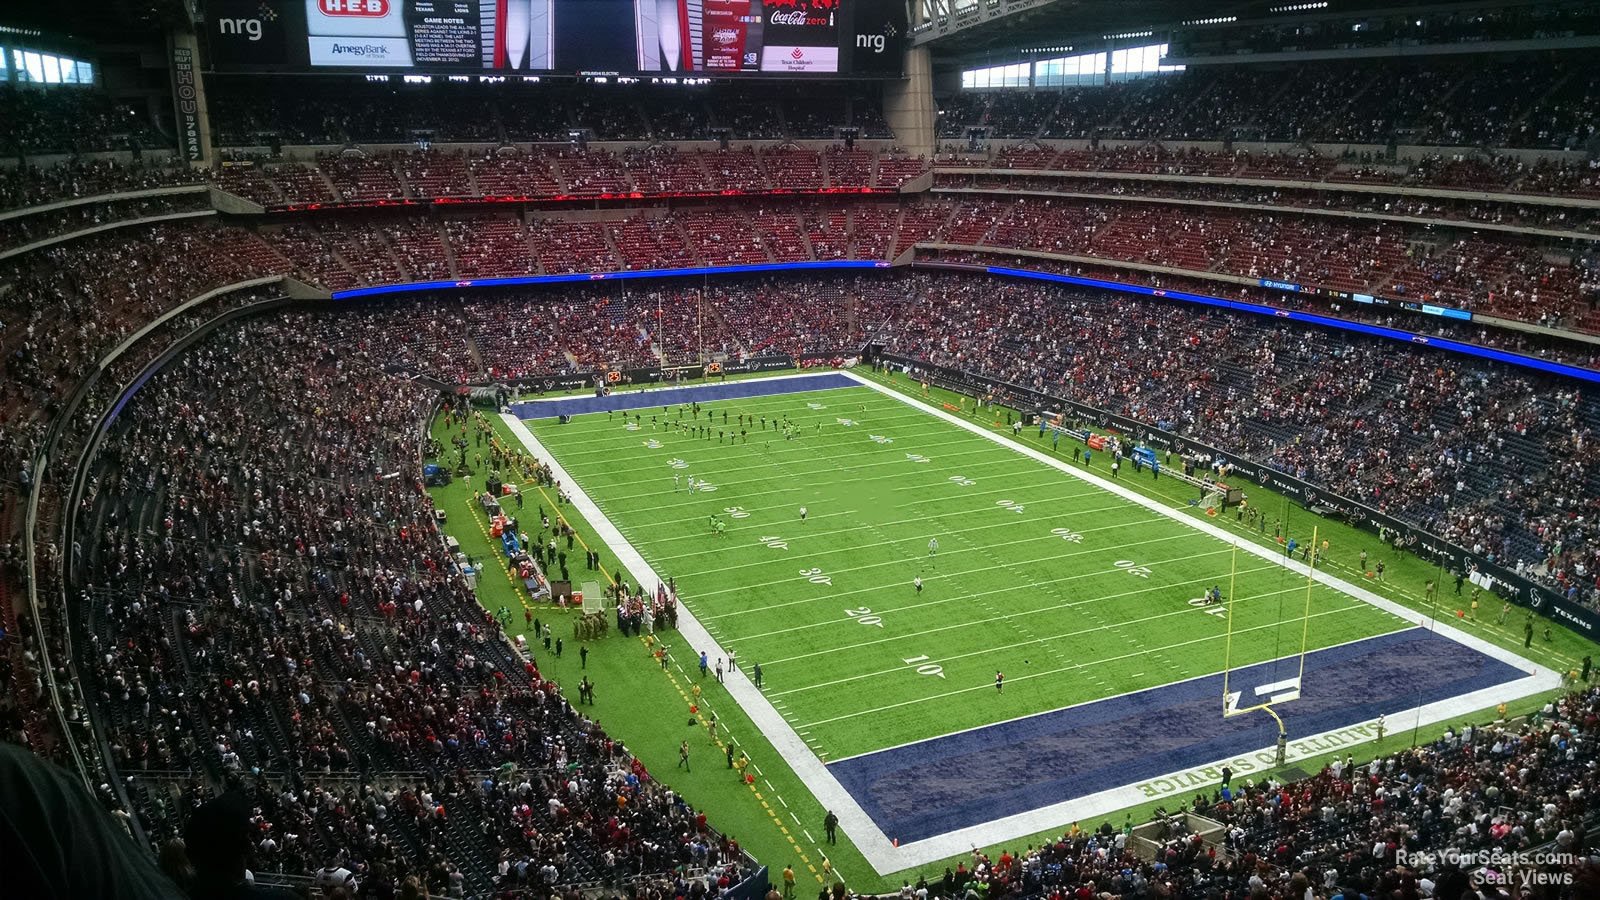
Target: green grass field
(867,531)
(1071,591)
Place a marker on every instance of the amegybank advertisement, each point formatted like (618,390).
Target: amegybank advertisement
(711,37)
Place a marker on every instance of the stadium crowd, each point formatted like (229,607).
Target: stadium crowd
(1533,101)
(22,230)
(1482,171)
(1518,215)
(1487,273)
(31,185)
(268,606)
(1507,277)
(1301,236)
(1443,100)
(1475,453)
(426,174)
(252,113)
(71,121)
(69,304)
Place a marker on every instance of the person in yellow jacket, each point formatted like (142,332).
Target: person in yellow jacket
(788,882)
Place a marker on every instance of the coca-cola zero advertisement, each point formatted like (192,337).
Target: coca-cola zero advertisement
(800,36)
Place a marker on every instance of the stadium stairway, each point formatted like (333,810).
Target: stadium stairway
(461,811)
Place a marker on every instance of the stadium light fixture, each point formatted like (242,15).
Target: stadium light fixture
(1219,20)
(1299,7)
(1126,34)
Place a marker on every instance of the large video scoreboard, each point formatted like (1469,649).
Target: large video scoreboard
(774,38)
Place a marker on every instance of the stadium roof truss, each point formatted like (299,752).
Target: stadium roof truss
(1002,25)
(933,19)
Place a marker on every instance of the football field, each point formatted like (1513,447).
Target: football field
(935,554)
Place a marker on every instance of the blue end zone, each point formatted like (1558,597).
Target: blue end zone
(700,393)
(961,780)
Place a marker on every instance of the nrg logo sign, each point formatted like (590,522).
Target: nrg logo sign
(249,28)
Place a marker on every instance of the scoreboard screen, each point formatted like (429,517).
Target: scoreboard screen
(773,38)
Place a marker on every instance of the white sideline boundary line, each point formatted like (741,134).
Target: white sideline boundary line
(882,854)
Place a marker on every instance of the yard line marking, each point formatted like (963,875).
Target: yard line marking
(880,410)
(789,581)
(912,539)
(990,686)
(669,438)
(811,454)
(745,611)
(756,526)
(733,529)
(788,449)
(584,431)
(1026,612)
(735,486)
(1002,648)
(874,589)
(810,534)
(675,512)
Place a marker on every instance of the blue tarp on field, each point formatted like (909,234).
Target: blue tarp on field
(959,780)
